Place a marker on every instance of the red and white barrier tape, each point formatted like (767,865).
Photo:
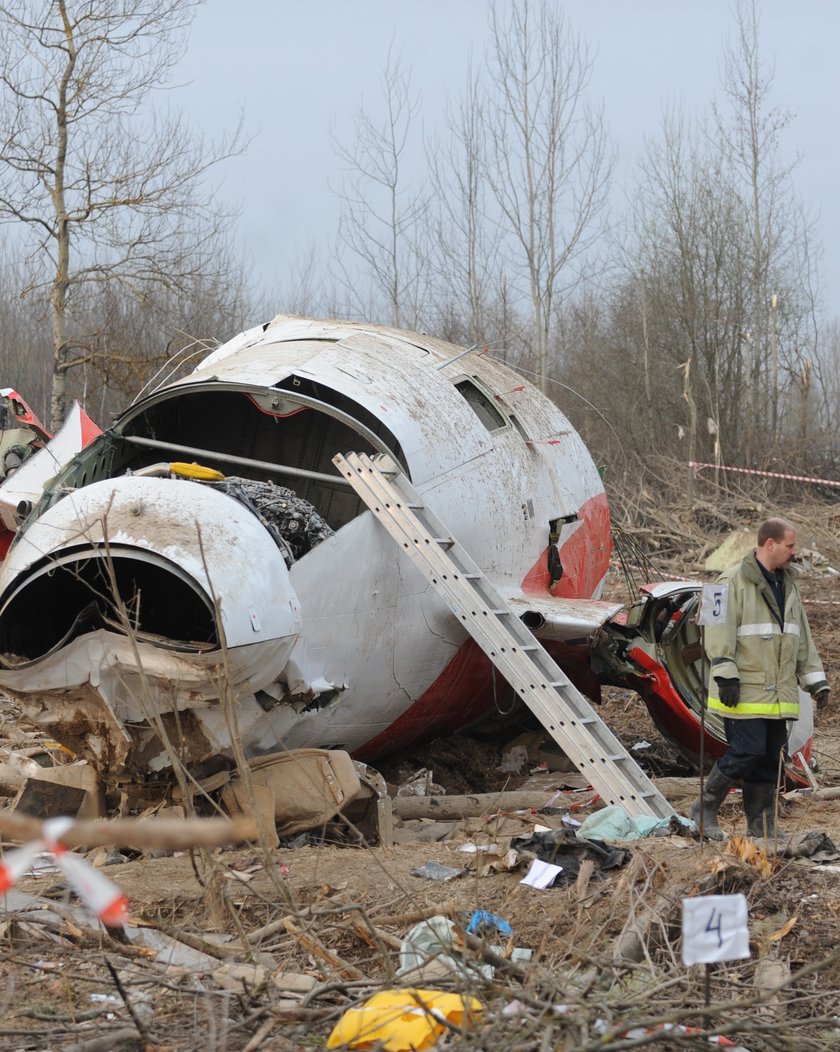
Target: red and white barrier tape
(765,474)
(95,890)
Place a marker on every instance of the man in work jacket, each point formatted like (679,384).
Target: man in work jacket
(759,657)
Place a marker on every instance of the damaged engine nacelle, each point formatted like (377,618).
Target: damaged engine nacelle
(115,603)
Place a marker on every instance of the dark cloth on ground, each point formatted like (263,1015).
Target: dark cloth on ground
(561,847)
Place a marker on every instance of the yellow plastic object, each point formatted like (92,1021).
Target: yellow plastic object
(196,471)
(57,745)
(402,1020)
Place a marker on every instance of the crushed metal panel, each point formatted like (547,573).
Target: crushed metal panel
(27,483)
(560,619)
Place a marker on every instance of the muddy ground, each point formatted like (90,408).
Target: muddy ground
(334,916)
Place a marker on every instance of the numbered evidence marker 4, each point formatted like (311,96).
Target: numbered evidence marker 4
(714,928)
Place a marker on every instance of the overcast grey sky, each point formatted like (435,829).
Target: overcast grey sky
(300,68)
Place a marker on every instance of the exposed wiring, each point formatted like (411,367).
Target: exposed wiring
(632,557)
(514,699)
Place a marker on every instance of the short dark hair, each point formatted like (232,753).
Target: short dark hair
(774,529)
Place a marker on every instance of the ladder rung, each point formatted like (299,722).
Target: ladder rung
(415,507)
(444,542)
(501,613)
(529,647)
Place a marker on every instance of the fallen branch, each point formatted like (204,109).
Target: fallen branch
(317,949)
(443,909)
(141,833)
(104,1042)
(370,933)
(473,806)
(256,936)
(221,951)
(135,1018)
(259,1037)
(832,793)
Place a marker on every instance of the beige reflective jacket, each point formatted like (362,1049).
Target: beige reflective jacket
(770,659)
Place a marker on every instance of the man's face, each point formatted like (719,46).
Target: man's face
(781,553)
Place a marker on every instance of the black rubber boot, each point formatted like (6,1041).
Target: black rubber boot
(760,809)
(715,788)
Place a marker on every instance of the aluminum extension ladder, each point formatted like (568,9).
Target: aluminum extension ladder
(559,706)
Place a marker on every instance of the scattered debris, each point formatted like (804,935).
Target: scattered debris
(435,871)
(302,788)
(613,823)
(421,783)
(567,851)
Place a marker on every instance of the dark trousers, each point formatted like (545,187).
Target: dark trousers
(754,748)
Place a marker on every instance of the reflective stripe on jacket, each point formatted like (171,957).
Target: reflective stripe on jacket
(770,655)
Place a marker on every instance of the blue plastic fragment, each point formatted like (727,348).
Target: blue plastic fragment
(481,919)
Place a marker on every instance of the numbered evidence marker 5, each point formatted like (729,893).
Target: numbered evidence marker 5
(713,601)
(714,928)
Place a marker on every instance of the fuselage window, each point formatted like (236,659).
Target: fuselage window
(481,405)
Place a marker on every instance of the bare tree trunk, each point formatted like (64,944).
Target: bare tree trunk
(548,165)
(774,370)
(688,395)
(648,415)
(464,256)
(377,229)
(60,283)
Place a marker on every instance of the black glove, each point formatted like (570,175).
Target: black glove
(729,691)
(820,692)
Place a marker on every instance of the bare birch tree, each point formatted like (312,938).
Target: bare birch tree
(105,190)
(750,128)
(548,161)
(464,254)
(380,213)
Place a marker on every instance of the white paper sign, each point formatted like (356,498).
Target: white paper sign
(714,928)
(541,874)
(713,601)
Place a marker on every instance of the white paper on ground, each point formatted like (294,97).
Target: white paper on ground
(541,874)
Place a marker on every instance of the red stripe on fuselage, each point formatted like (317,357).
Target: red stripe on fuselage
(585,556)
(466,690)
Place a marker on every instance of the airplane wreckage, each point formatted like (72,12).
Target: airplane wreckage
(269,530)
